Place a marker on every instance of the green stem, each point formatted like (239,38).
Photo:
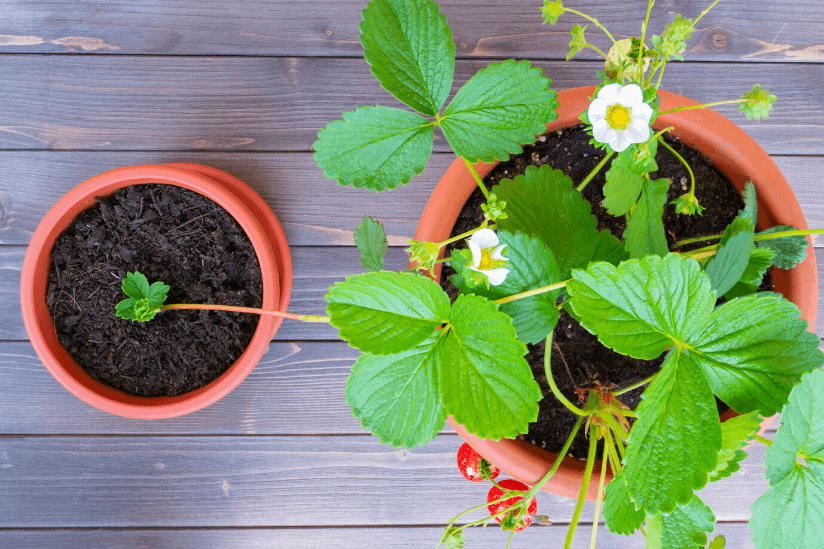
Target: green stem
(478,179)
(684,162)
(557,392)
(597,169)
(579,506)
(597,49)
(635,385)
(592,20)
(530,293)
(763,440)
(643,40)
(534,490)
(461,236)
(229,308)
(598,499)
(758,237)
(660,76)
(705,105)
(614,425)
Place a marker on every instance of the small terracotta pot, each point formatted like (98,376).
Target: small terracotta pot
(242,203)
(733,152)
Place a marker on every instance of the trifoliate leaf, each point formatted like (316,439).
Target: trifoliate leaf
(486,384)
(578,41)
(542,202)
(791,512)
(531,265)
(500,108)
(644,234)
(735,432)
(375,147)
(409,47)
(397,396)
(674,443)
(754,349)
(552,10)
(759,104)
(370,238)
(620,514)
(135,285)
(687,526)
(750,211)
(728,264)
(386,313)
(789,250)
(623,186)
(644,306)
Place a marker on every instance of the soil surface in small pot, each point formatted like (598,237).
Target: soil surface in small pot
(578,359)
(171,234)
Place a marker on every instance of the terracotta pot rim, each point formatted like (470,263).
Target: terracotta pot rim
(732,151)
(251,213)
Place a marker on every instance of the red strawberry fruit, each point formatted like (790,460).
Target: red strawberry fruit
(518,522)
(474,467)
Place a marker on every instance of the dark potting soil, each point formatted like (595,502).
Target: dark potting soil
(170,234)
(578,359)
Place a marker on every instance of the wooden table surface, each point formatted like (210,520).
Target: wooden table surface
(244,86)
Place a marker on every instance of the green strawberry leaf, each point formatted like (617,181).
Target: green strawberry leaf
(754,349)
(623,186)
(731,259)
(531,265)
(750,211)
(791,512)
(409,47)
(386,313)
(644,234)
(502,107)
(675,440)
(718,543)
(620,514)
(397,396)
(687,526)
(370,238)
(375,147)
(789,250)
(610,249)
(135,285)
(735,432)
(542,202)
(644,306)
(486,384)
(760,261)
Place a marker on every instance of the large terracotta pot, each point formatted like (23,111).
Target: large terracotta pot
(732,151)
(251,213)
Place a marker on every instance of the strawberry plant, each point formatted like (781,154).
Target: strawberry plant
(537,251)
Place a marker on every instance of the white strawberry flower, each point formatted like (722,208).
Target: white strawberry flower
(619,116)
(487,257)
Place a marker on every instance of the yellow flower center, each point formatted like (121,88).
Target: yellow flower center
(486,262)
(618,117)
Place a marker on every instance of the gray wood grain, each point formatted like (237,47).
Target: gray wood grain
(733,30)
(314,210)
(52,482)
(736,534)
(279,104)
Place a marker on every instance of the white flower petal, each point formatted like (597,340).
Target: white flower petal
(604,134)
(597,110)
(610,93)
(621,142)
(637,131)
(485,238)
(497,253)
(476,253)
(641,111)
(630,95)
(496,276)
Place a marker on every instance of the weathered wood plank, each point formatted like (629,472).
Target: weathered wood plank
(736,533)
(734,29)
(314,210)
(120,482)
(316,269)
(279,104)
